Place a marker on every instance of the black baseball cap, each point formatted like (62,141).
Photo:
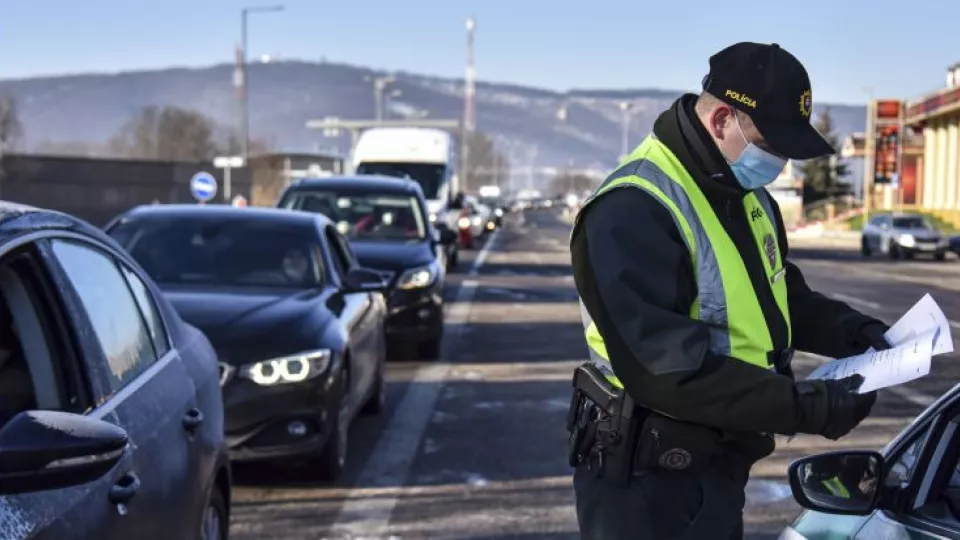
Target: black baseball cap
(772,87)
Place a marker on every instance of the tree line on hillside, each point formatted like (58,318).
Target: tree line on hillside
(822,176)
(175,134)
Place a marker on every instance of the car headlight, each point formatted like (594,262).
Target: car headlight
(463,223)
(287,369)
(433,217)
(498,212)
(906,240)
(417,278)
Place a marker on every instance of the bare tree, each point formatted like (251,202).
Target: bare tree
(168,134)
(485,164)
(572,182)
(254,148)
(70,148)
(11,130)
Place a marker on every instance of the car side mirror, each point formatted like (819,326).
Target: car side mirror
(45,450)
(363,280)
(842,482)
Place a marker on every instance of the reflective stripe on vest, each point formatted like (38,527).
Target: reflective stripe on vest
(726,300)
(836,487)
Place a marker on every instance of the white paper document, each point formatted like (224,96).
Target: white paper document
(925,316)
(880,369)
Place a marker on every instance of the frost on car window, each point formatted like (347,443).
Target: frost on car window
(902,469)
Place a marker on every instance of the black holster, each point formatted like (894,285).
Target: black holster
(603,426)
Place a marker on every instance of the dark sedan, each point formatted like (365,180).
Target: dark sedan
(298,325)
(385,220)
(111,421)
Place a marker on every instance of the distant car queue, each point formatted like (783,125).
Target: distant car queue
(141,360)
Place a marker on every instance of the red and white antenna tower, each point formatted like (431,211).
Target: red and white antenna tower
(469,110)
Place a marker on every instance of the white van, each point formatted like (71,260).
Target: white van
(426,156)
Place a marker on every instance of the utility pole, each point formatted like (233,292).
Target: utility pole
(243,79)
(870,158)
(469,116)
(625,107)
(379,85)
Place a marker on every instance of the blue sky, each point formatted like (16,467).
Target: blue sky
(562,44)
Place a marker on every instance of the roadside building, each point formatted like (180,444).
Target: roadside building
(937,117)
(787,190)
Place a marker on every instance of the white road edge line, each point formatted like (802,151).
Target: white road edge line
(873,305)
(854,300)
(390,462)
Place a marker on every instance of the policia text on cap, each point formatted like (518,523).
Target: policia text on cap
(692,311)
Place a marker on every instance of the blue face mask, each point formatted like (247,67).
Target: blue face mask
(755,167)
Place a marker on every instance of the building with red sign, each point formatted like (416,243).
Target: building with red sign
(937,116)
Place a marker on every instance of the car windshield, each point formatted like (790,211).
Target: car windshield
(187,251)
(430,176)
(492,202)
(911,222)
(364,215)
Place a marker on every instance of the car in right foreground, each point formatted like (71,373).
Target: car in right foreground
(908,490)
(903,235)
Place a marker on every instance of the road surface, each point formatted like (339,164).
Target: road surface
(473,446)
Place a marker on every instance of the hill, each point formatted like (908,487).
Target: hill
(86,109)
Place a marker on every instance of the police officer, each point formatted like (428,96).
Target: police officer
(691,307)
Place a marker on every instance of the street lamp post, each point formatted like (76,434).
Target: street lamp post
(627,110)
(245,106)
(379,85)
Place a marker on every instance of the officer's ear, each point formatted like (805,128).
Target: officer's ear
(720,121)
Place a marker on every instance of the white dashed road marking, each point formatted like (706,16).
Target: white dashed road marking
(390,462)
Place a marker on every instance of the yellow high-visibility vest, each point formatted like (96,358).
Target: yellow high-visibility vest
(726,301)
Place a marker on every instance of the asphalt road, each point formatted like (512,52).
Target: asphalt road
(473,446)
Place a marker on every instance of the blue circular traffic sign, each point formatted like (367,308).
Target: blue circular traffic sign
(203,186)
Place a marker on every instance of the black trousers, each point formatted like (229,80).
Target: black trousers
(662,505)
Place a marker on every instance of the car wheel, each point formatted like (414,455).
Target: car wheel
(893,251)
(430,349)
(865,248)
(333,457)
(215,520)
(940,255)
(375,403)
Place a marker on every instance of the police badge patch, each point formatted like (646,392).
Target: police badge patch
(770,247)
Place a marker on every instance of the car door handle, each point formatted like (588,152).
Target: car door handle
(192,419)
(126,487)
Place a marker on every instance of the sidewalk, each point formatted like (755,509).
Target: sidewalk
(826,239)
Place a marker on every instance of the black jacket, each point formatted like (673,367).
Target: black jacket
(635,277)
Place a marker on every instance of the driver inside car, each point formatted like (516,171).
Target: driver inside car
(16,385)
(295,265)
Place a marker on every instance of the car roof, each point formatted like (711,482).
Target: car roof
(359,182)
(19,218)
(227,213)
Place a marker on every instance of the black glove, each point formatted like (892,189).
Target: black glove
(832,408)
(871,335)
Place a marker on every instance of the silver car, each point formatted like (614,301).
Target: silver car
(903,236)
